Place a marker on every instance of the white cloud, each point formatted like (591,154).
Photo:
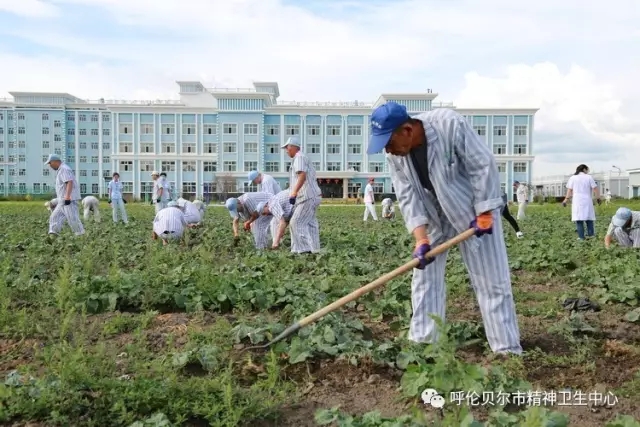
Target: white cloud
(29,8)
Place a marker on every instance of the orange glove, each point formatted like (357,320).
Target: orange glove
(483,224)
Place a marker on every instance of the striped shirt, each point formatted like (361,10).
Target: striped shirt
(169,220)
(158,184)
(269,185)
(250,202)
(279,205)
(310,188)
(191,213)
(635,223)
(387,202)
(115,190)
(64,175)
(90,202)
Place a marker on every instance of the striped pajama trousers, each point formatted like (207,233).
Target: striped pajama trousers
(273,228)
(117,205)
(66,213)
(627,240)
(192,219)
(488,268)
(260,229)
(305,231)
(159,229)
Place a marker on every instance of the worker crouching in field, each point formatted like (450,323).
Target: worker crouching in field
(245,207)
(388,211)
(91,205)
(625,228)
(169,224)
(446,178)
(281,211)
(200,206)
(192,214)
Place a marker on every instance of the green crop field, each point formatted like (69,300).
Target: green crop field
(112,329)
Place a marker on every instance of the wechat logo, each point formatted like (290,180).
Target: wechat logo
(431,397)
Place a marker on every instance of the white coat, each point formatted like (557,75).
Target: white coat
(582,206)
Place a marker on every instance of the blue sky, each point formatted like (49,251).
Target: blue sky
(577,61)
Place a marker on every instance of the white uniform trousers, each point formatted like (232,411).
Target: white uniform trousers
(117,205)
(273,228)
(260,230)
(169,235)
(627,240)
(96,213)
(370,209)
(66,213)
(305,231)
(521,208)
(488,269)
(192,218)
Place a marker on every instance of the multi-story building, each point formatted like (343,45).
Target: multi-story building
(617,182)
(210,139)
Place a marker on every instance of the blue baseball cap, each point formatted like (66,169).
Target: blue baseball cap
(260,207)
(621,217)
(293,141)
(232,205)
(53,158)
(253,175)
(384,120)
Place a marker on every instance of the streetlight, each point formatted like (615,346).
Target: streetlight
(619,170)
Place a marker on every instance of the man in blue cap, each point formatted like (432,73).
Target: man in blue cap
(446,181)
(245,207)
(625,228)
(281,211)
(67,197)
(266,182)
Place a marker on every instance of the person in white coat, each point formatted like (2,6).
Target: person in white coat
(116,201)
(168,187)
(369,201)
(580,188)
(160,194)
(91,205)
(446,181)
(267,184)
(388,211)
(625,228)
(191,212)
(607,197)
(522,196)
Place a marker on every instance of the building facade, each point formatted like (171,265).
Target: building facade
(210,139)
(617,182)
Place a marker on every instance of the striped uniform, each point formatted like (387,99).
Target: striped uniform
(388,211)
(369,203)
(191,213)
(260,227)
(91,204)
(201,207)
(117,203)
(465,178)
(66,213)
(158,185)
(169,224)
(168,188)
(280,209)
(627,237)
(305,231)
(51,205)
(522,196)
(269,185)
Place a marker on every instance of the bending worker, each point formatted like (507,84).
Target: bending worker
(625,228)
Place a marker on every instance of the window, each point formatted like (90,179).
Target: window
(83,188)
(10,131)
(21,130)
(83,145)
(44,158)
(82,117)
(502,167)
(376,167)
(188,148)
(272,167)
(106,132)
(125,147)
(126,166)
(229,147)
(94,188)
(71,117)
(354,149)
(354,130)
(71,146)
(106,146)
(249,166)
(229,129)
(334,166)
(94,159)
(313,148)
(168,147)
(188,166)
(22,158)
(168,129)
(83,172)
(210,129)
(20,116)
(188,187)
(378,187)
(106,173)
(210,148)
(356,166)
(94,132)
(210,166)
(94,117)
(250,147)
(106,159)
(288,166)
(313,130)
(272,130)
(273,148)
(250,187)
(229,166)
(125,129)
(95,146)
(106,117)
(503,188)
(520,130)
(291,130)
(12,172)
(22,144)
(1,131)
(316,165)
(57,138)
(45,116)
(12,145)
(146,165)
(519,148)
(499,148)
(147,147)
(83,159)
(250,129)
(45,131)
(333,130)
(57,124)
(127,187)
(71,159)
(333,148)
(188,129)
(499,130)
(94,172)
(36,188)
(519,167)
(480,130)
(168,166)
(45,145)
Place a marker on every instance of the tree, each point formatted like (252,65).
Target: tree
(226,184)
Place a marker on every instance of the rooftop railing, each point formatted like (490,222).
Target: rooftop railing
(348,104)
